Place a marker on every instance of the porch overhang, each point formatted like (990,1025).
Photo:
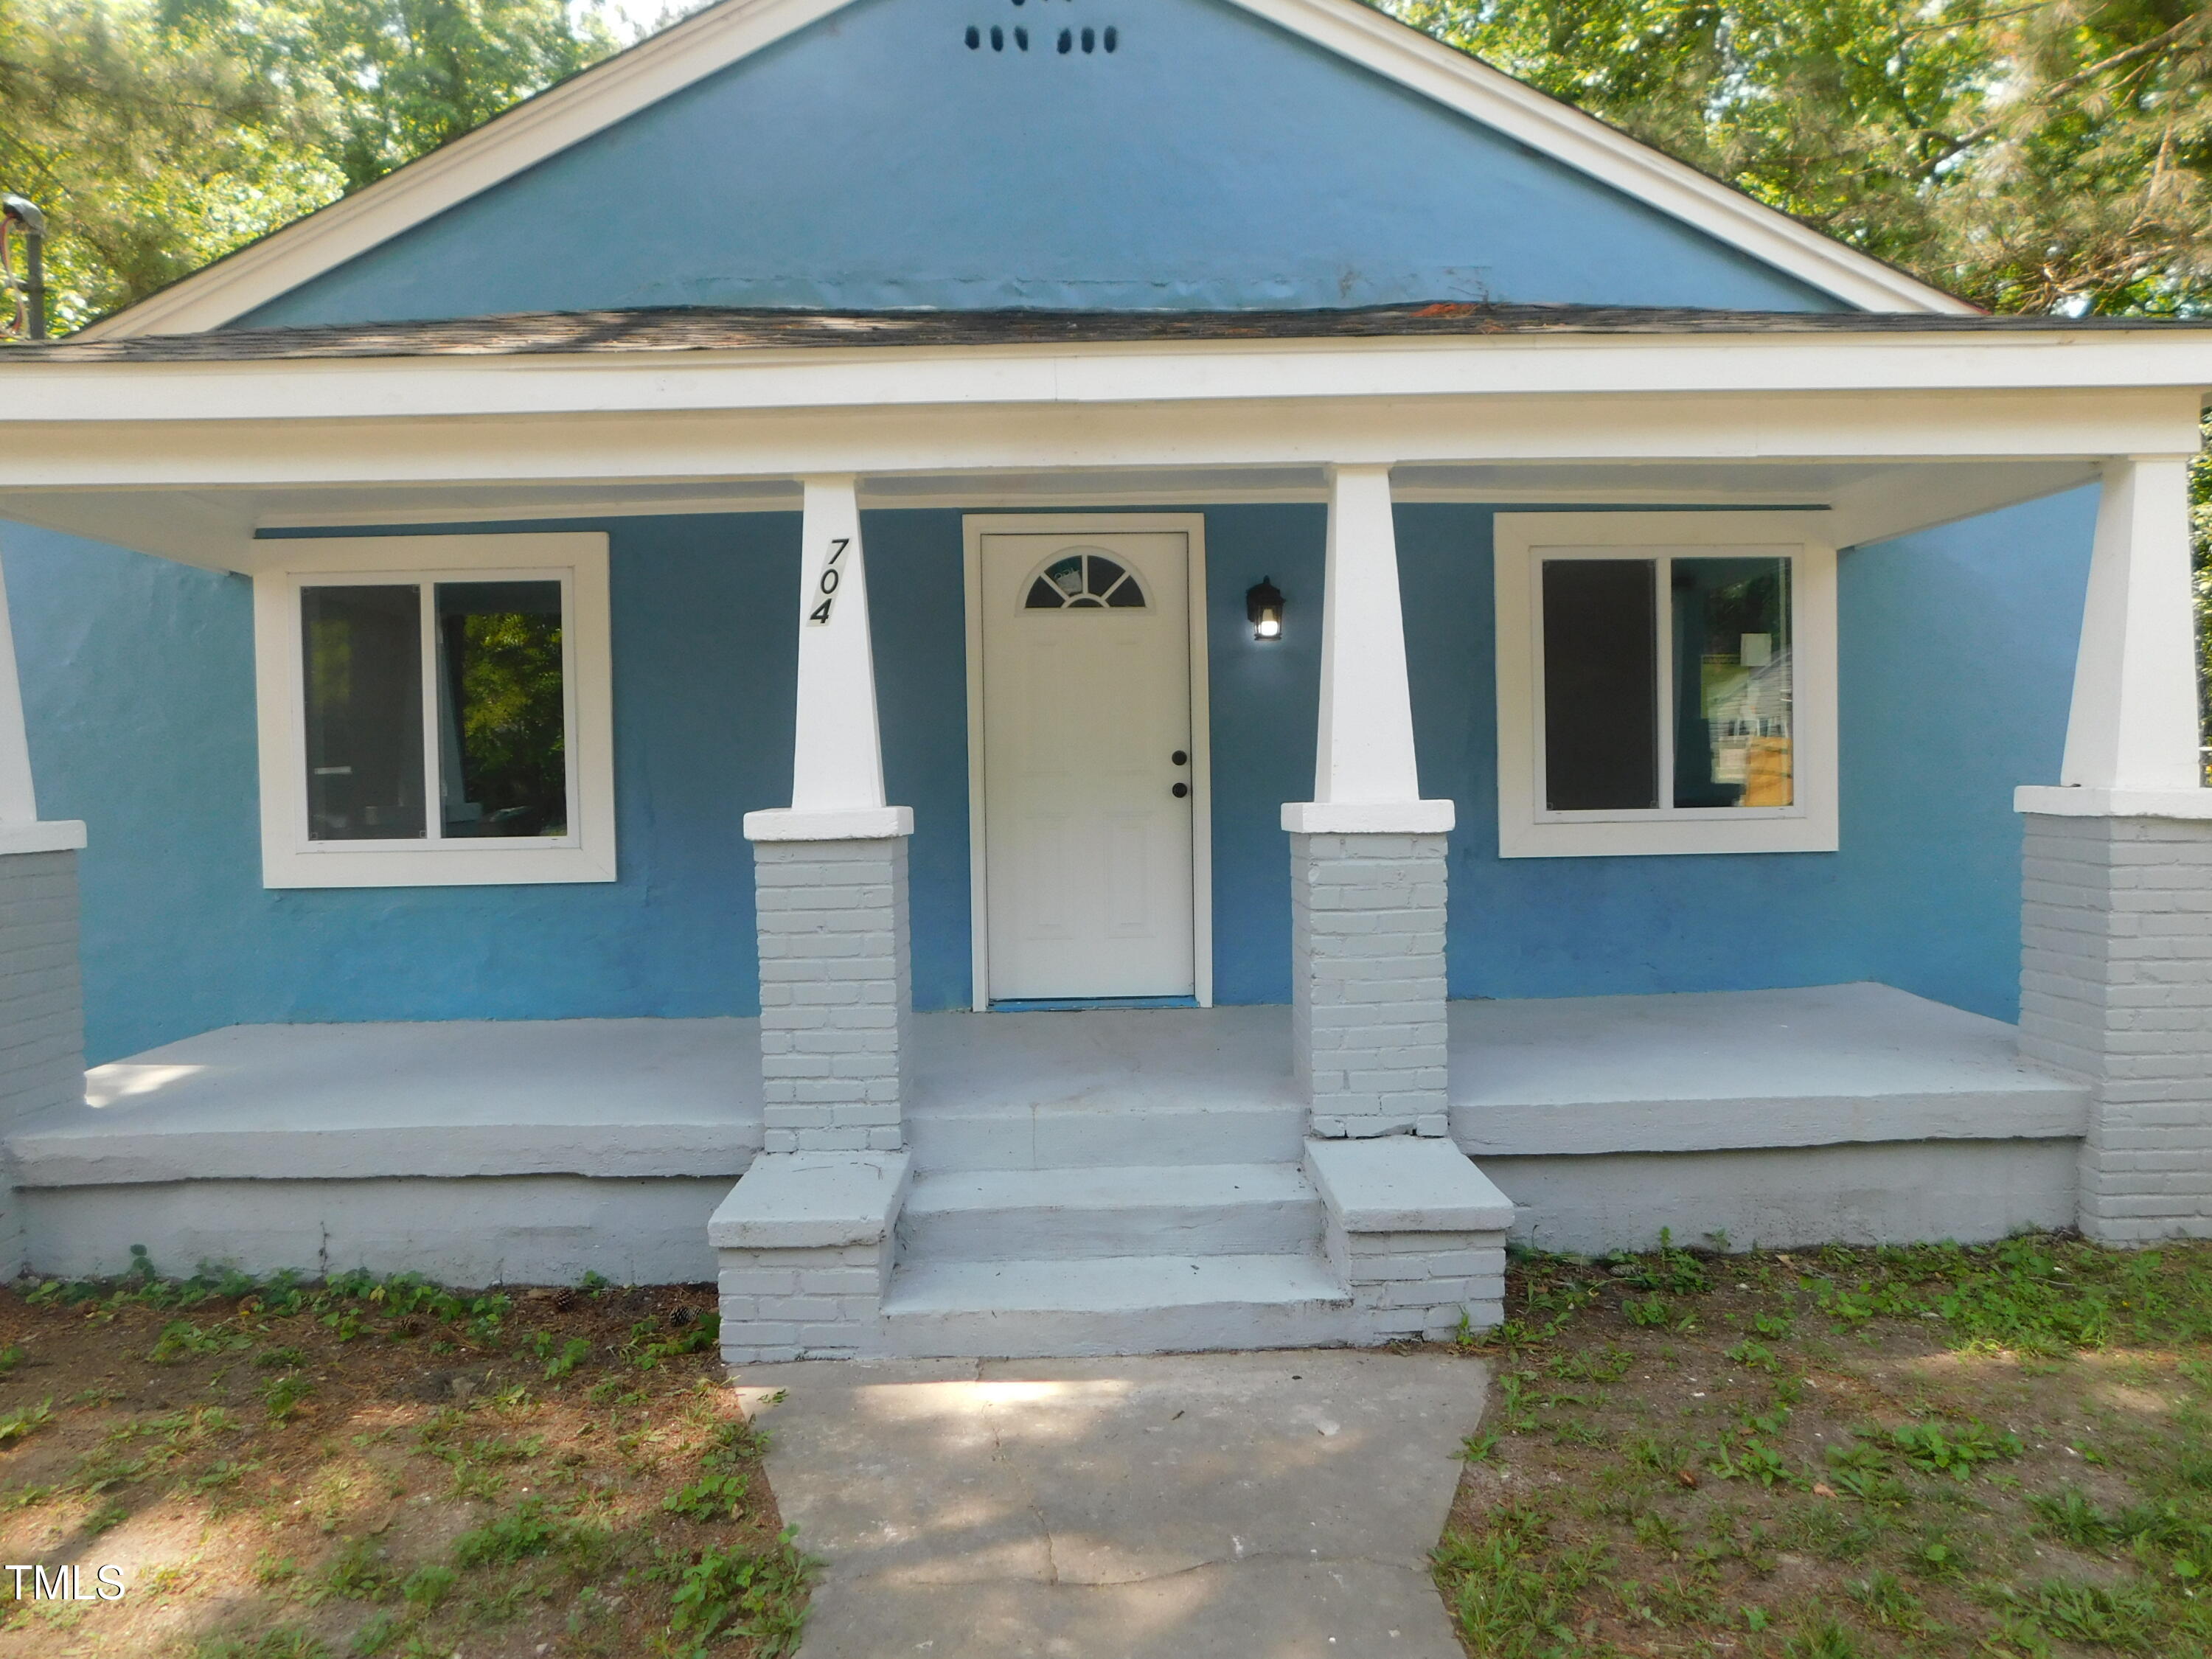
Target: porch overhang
(190,448)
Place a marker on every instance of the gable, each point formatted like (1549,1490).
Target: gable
(873,160)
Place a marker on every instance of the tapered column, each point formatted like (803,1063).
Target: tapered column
(41,986)
(2116,921)
(2134,723)
(830,873)
(1368,866)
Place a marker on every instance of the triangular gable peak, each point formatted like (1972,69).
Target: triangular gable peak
(1177,154)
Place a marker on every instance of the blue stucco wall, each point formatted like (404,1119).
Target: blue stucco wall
(1957,653)
(873,160)
(138,679)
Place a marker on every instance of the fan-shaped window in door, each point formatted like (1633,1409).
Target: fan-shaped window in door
(1086,580)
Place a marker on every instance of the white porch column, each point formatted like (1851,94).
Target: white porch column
(830,873)
(2133,725)
(1368,860)
(2116,920)
(806,1240)
(41,989)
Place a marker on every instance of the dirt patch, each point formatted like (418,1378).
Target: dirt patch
(1842,1454)
(364,1467)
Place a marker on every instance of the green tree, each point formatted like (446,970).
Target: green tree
(161,134)
(2031,155)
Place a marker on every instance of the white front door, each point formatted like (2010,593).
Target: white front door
(1087,774)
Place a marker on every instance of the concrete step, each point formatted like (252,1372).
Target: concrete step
(1203,1210)
(1063,1136)
(1114,1305)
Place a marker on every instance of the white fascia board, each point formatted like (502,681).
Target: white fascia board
(831,377)
(720,35)
(509,143)
(690,448)
(1423,64)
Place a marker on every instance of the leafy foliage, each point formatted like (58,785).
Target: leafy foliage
(159,135)
(2049,155)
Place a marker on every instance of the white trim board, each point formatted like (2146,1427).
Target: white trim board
(722,34)
(288,859)
(974,527)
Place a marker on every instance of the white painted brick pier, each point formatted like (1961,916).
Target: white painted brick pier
(836,1001)
(2116,989)
(41,1008)
(1368,1038)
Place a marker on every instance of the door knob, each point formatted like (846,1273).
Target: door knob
(1180,790)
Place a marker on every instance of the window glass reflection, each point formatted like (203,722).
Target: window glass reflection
(1732,682)
(363,663)
(503,709)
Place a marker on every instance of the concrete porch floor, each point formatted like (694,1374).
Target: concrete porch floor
(1566,1103)
(641,1098)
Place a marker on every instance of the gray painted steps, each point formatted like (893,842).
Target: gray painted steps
(1203,1210)
(1113,1305)
(1069,1135)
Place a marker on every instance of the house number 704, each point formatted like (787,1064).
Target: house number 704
(827,587)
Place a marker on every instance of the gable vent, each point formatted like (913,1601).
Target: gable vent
(1069,40)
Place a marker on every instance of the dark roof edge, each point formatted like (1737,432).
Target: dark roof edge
(706,329)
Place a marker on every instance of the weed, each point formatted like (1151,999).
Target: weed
(736,1593)
(1669,1268)
(181,1340)
(564,1360)
(1825,1640)
(1939,1557)
(2123,1616)
(1658,1532)
(2069,1515)
(360,1572)
(286,1642)
(378,1634)
(1479,1448)
(1755,1355)
(1886,1601)
(282,1396)
(704,1332)
(714,1497)
(219,1474)
(106,1517)
(12,1356)
(1929,1449)
(26,1421)
(1646,1311)
(1511,1592)
(509,1538)
(427,1586)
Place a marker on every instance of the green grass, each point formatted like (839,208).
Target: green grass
(1926,1453)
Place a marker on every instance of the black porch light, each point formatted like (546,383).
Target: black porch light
(1263,604)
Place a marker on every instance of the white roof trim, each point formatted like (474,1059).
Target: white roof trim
(722,34)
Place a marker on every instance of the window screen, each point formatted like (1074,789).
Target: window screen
(363,664)
(1600,684)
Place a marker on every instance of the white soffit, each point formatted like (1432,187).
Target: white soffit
(722,34)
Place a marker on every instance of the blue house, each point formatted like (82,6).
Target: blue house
(1057,675)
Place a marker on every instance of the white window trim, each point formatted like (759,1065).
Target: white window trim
(290,858)
(1525,829)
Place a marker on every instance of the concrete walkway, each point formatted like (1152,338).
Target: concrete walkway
(1249,1505)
